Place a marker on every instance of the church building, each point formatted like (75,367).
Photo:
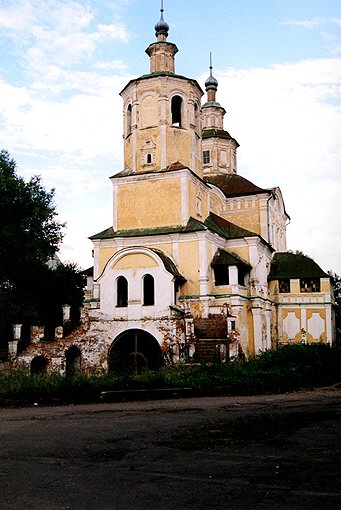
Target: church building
(194,266)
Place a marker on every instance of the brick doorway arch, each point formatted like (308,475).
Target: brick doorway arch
(133,351)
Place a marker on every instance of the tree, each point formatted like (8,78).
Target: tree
(29,230)
(30,235)
(336,282)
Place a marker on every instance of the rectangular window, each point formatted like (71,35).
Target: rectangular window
(284,285)
(221,275)
(310,284)
(206,157)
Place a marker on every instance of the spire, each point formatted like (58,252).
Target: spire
(211,83)
(161,27)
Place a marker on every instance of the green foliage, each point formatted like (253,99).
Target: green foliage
(30,234)
(288,368)
(336,282)
(29,229)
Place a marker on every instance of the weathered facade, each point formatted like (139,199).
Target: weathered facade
(189,267)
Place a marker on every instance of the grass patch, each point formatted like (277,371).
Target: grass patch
(285,369)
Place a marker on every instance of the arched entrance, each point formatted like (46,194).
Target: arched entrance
(72,361)
(134,351)
(39,365)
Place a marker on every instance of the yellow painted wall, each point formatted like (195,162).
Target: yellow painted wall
(297,312)
(178,146)
(216,205)
(251,341)
(135,261)
(104,255)
(325,285)
(166,248)
(294,286)
(248,218)
(188,266)
(194,190)
(128,152)
(148,204)
(242,251)
(322,314)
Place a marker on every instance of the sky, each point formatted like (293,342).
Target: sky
(278,64)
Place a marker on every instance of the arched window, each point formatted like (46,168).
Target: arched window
(122,292)
(196,117)
(72,361)
(148,290)
(149,158)
(39,365)
(129,119)
(176,111)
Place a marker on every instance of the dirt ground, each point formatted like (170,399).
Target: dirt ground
(134,455)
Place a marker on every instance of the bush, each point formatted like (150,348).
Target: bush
(288,368)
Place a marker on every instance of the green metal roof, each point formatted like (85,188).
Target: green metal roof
(212,223)
(160,74)
(223,257)
(294,265)
(192,226)
(169,264)
(217,133)
(212,103)
(227,229)
(234,185)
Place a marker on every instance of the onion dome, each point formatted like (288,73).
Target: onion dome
(161,27)
(211,83)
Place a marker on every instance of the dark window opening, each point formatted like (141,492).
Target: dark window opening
(221,275)
(129,120)
(284,285)
(310,284)
(39,365)
(148,290)
(196,116)
(72,361)
(149,158)
(176,111)
(206,157)
(241,276)
(176,291)
(122,292)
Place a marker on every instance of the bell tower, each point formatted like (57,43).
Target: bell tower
(219,149)
(161,113)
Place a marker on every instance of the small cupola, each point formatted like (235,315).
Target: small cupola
(161,52)
(211,84)
(161,27)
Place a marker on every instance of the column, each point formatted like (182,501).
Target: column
(257,328)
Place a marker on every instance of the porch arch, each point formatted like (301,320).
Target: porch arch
(133,351)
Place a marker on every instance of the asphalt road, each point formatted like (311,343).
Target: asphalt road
(128,456)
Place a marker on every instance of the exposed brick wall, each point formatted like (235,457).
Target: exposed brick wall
(215,326)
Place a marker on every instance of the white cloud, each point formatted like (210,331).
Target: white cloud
(109,65)
(56,32)
(312,23)
(18,16)
(287,119)
(117,31)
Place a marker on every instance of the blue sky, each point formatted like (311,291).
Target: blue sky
(278,63)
